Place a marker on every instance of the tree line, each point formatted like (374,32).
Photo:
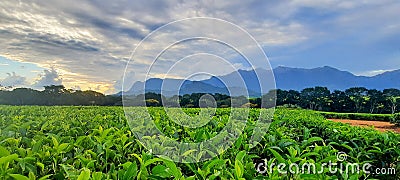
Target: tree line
(352,100)
(356,99)
(56,95)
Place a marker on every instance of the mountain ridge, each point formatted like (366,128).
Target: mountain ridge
(287,78)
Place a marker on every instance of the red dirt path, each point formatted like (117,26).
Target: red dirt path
(378,125)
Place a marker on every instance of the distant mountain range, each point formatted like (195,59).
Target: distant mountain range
(299,78)
(286,78)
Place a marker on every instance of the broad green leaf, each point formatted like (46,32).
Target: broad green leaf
(7,159)
(55,141)
(277,156)
(84,175)
(62,147)
(19,177)
(151,161)
(131,172)
(172,169)
(4,151)
(45,177)
(97,175)
(239,169)
(160,171)
(314,139)
(31,176)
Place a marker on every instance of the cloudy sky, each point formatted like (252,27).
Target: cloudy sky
(86,44)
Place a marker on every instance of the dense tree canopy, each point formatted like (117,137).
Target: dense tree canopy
(56,95)
(356,99)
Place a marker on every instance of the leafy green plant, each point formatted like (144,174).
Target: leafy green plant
(396,119)
(97,143)
(358,116)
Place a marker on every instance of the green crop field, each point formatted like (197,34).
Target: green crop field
(97,143)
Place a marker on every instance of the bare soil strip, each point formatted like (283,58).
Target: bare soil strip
(378,125)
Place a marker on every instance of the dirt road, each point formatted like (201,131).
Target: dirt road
(378,125)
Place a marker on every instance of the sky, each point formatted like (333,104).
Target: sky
(87,44)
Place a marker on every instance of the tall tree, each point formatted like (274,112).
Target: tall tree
(307,98)
(340,102)
(374,99)
(322,98)
(269,100)
(392,96)
(315,98)
(293,97)
(358,95)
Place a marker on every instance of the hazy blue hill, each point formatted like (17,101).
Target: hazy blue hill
(299,78)
(286,78)
(296,78)
(173,86)
(250,80)
(389,79)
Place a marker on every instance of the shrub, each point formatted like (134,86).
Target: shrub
(152,102)
(358,116)
(249,105)
(396,119)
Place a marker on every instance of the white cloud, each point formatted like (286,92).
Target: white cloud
(91,41)
(48,78)
(13,80)
(373,72)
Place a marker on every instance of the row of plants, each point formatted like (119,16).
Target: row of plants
(97,143)
(358,116)
(396,119)
(393,118)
